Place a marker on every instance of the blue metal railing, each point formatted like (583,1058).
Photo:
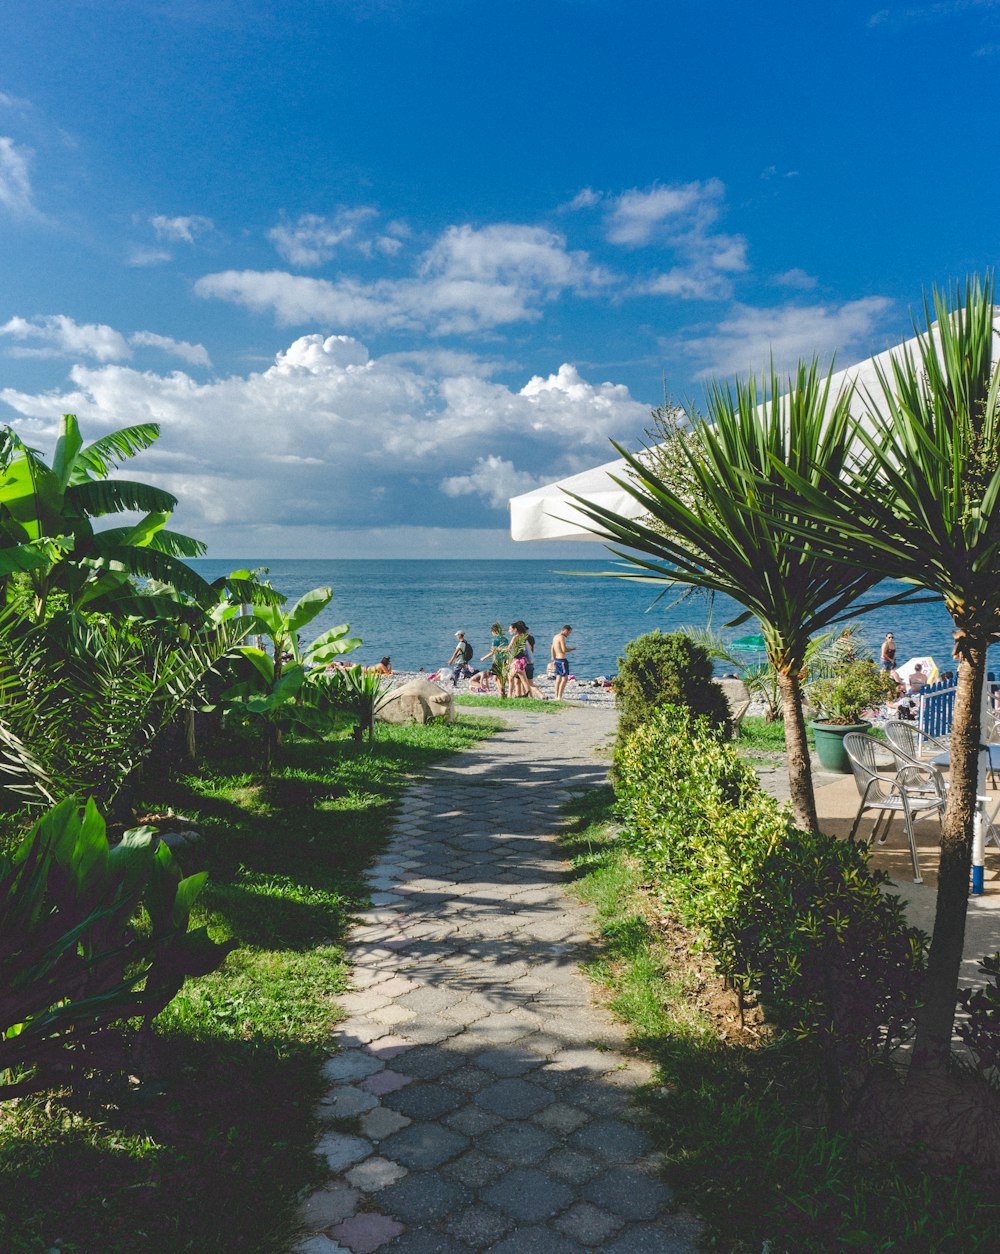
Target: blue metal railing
(937,706)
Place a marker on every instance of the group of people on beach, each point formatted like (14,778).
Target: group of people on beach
(511,661)
(908,687)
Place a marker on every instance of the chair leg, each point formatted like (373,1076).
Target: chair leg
(908,824)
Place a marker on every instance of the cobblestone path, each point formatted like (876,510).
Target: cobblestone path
(489,1097)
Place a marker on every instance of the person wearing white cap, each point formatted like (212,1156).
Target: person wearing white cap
(460,659)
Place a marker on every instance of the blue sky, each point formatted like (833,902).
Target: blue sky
(377,265)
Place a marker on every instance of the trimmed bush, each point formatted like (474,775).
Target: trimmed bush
(796,918)
(660,670)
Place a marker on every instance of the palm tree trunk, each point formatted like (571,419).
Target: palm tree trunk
(936,1019)
(800,782)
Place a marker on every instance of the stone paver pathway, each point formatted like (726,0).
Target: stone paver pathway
(488,1097)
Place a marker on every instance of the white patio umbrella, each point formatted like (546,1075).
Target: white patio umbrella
(547,513)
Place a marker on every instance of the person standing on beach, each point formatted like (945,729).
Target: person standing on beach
(889,652)
(560,649)
(460,659)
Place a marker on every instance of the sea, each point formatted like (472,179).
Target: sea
(410,610)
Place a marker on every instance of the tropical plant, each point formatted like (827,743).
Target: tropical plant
(358,693)
(73,963)
(46,520)
(857,686)
(761,680)
(287,685)
(734,532)
(83,699)
(927,511)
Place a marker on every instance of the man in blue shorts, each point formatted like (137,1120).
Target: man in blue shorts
(462,656)
(561,662)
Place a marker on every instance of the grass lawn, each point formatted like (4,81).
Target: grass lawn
(208,1152)
(507,703)
(735,1111)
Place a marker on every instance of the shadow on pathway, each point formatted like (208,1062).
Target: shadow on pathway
(480,1099)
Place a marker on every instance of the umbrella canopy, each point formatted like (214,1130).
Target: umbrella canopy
(926,664)
(748,644)
(548,514)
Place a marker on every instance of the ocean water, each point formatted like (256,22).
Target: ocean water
(411,609)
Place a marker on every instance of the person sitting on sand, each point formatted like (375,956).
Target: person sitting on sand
(381,668)
(916,679)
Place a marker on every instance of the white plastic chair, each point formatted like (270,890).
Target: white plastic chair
(913,791)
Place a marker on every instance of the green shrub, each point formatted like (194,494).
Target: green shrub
(73,965)
(981,1030)
(795,917)
(660,670)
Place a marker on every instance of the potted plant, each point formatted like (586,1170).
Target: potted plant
(856,686)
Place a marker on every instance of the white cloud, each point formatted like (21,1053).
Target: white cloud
(15,180)
(141,255)
(470,279)
(928,12)
(328,436)
(312,239)
(196,354)
(493,478)
(680,220)
(183,230)
(585,198)
(56,335)
(796,278)
(746,338)
(639,217)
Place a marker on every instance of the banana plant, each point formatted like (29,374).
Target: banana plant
(73,965)
(285,685)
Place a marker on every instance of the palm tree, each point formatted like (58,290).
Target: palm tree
(721,527)
(932,517)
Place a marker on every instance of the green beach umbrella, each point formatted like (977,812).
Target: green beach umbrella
(749,643)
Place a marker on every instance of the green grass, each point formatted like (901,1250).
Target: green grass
(739,1127)
(516,703)
(210,1151)
(757,733)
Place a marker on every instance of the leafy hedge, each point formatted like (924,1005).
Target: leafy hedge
(659,670)
(797,918)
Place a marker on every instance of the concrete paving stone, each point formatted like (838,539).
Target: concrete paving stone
(561,1118)
(392,1014)
(480,1226)
(344,1102)
(319,1244)
(472,1120)
(425,1197)
(666,1238)
(511,1061)
(424,1100)
(602,1101)
(584,1062)
(342,1150)
(630,1193)
(496,1030)
(469,1079)
(428,1030)
(424,1146)
(571,1166)
(387,1081)
(389,1047)
(475,1169)
(535,1240)
(385,899)
(611,1139)
(632,1074)
(546,1044)
(587,1224)
(353,1033)
(427,1241)
(529,1195)
(397,985)
(366,1232)
(426,1062)
(375,1173)
(519,1143)
(381,1122)
(351,1064)
(328,1206)
(513,1099)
